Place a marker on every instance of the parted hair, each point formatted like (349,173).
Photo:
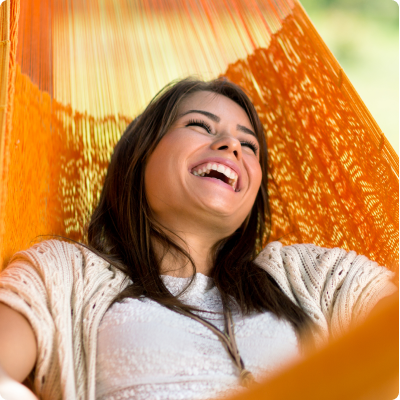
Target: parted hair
(122,229)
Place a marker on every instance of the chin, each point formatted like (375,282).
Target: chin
(221,215)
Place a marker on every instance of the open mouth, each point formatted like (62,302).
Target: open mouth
(217,171)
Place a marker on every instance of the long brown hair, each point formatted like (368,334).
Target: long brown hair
(122,229)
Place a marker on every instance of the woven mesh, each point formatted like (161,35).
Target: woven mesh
(333,174)
(66,95)
(331,183)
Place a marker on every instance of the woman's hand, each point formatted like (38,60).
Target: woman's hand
(13,390)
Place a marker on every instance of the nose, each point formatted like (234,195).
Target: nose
(228,144)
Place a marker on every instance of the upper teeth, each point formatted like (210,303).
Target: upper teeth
(204,169)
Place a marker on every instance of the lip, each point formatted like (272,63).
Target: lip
(223,161)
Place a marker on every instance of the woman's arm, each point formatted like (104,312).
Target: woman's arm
(18,351)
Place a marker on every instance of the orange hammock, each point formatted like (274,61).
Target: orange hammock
(74,73)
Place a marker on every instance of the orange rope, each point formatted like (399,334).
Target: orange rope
(333,175)
(78,74)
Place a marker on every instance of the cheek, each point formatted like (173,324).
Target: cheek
(162,176)
(255,174)
(154,175)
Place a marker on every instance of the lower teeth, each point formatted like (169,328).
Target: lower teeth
(230,182)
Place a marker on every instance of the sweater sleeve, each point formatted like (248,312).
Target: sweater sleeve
(38,284)
(334,287)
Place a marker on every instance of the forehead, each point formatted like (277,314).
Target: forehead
(215,103)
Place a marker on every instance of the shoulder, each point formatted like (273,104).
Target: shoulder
(334,286)
(284,261)
(306,255)
(276,251)
(56,255)
(317,266)
(52,264)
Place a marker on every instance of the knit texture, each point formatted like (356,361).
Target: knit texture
(64,290)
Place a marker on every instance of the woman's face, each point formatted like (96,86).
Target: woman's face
(205,171)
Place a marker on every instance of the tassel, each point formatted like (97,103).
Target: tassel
(247,379)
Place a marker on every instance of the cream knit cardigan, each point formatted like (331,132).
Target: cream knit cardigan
(64,291)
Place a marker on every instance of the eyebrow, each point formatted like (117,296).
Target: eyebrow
(246,130)
(206,113)
(215,118)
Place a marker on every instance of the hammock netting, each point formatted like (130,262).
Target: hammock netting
(74,73)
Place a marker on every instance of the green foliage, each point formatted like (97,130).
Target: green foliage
(364,37)
(386,11)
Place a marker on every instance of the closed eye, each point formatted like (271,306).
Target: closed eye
(201,123)
(251,145)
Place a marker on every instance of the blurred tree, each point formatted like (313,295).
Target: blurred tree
(364,37)
(384,10)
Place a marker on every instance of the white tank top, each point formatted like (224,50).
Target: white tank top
(145,351)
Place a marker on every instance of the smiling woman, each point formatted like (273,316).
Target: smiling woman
(216,167)
(172,296)
(192,168)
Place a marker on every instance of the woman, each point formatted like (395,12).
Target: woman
(171,263)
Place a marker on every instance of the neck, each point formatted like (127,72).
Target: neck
(199,247)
